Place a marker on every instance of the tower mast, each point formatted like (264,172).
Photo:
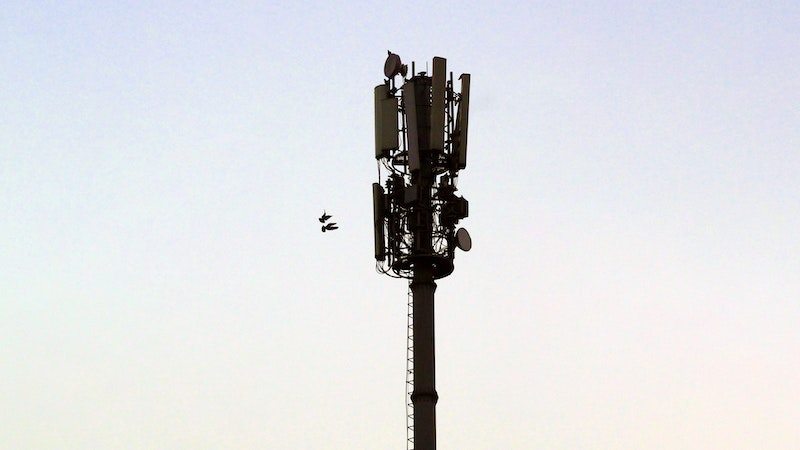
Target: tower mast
(420,145)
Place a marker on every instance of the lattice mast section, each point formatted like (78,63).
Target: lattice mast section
(410,371)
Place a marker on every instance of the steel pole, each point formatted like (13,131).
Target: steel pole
(424,396)
(423,285)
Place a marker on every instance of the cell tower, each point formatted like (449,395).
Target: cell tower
(420,145)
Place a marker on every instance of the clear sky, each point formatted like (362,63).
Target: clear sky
(634,206)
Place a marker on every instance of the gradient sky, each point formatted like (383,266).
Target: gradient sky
(634,206)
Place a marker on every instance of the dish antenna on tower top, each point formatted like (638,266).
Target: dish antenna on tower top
(394,66)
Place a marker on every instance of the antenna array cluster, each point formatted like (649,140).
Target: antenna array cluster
(420,145)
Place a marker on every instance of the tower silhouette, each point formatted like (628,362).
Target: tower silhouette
(420,145)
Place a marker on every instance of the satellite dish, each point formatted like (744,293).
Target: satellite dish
(463,240)
(394,66)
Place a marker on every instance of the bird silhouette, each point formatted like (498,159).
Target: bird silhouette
(325,217)
(329,227)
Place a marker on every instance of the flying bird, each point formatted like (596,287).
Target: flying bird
(325,217)
(329,227)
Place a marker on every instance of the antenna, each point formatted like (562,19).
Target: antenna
(412,123)
(438,103)
(462,122)
(393,66)
(463,239)
(386,127)
(379,213)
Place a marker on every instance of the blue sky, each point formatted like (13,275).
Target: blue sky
(634,208)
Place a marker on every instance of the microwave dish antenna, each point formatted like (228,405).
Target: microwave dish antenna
(463,239)
(394,66)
